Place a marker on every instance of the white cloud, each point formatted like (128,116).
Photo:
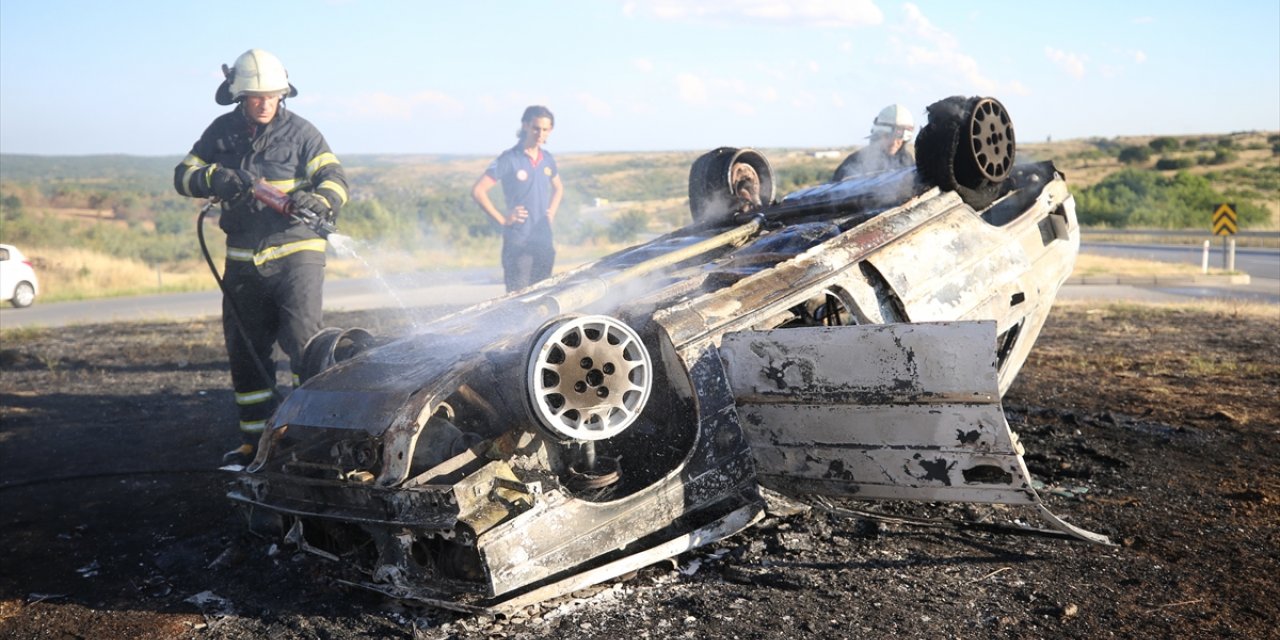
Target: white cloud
(1070,63)
(692,89)
(928,47)
(920,28)
(813,66)
(1018,89)
(644,65)
(594,106)
(1139,56)
(1144,20)
(952,65)
(807,13)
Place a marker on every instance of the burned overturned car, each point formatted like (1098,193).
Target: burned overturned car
(850,339)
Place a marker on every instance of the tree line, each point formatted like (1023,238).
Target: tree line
(403,203)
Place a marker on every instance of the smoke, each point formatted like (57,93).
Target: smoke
(416,282)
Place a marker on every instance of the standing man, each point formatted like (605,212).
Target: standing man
(890,132)
(274,271)
(531,190)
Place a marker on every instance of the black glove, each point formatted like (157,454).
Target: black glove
(231,185)
(308,201)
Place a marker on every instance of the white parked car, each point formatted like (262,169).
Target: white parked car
(18,282)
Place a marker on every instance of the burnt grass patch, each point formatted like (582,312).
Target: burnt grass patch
(1159,428)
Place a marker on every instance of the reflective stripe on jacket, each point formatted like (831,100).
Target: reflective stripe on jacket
(267,254)
(289,153)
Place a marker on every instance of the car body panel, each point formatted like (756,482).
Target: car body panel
(915,416)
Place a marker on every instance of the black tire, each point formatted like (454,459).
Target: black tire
(717,176)
(967,147)
(23,295)
(329,346)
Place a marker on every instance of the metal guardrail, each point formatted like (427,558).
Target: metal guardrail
(1179,233)
(1252,239)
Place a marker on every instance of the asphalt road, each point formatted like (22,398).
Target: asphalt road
(1262,265)
(1258,263)
(409,291)
(402,291)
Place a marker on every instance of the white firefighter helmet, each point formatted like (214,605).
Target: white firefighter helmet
(256,72)
(893,120)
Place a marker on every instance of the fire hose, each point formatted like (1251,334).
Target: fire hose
(280,202)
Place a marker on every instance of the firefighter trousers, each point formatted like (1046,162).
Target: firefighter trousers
(282,304)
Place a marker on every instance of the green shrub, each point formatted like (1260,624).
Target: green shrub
(1086,155)
(791,178)
(628,225)
(1134,155)
(1141,198)
(1163,144)
(1223,156)
(1168,164)
(1106,145)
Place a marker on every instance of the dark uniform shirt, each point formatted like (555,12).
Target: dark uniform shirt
(526,183)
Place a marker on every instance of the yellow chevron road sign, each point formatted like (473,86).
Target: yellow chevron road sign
(1224,219)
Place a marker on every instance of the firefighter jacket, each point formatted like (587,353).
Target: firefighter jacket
(290,154)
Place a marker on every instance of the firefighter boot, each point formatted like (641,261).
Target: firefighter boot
(243,454)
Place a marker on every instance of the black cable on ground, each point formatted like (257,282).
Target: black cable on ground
(35,482)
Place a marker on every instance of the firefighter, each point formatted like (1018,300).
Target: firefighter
(890,132)
(274,269)
(531,191)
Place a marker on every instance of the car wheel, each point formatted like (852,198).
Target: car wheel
(968,147)
(728,180)
(588,377)
(23,295)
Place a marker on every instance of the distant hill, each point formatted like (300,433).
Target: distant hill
(611,197)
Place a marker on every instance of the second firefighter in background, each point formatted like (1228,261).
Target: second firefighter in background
(274,273)
(887,150)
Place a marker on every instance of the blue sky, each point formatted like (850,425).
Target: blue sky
(384,76)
